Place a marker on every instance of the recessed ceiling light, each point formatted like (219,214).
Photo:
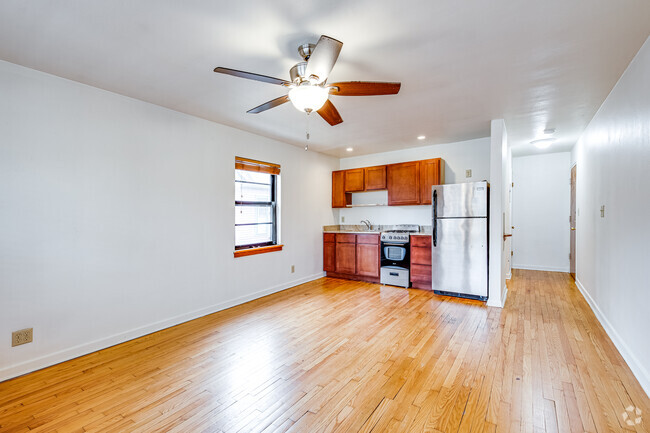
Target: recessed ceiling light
(349,149)
(421,137)
(543,143)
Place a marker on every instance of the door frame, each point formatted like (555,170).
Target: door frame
(573,179)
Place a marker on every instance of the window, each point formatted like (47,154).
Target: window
(256,207)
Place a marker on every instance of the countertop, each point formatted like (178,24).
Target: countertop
(353,232)
(362,230)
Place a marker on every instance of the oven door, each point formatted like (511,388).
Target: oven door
(395,255)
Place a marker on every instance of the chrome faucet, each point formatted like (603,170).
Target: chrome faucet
(367,224)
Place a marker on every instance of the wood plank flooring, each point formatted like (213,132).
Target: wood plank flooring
(342,356)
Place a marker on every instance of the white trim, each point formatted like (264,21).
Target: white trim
(491,302)
(637,367)
(509,275)
(93,346)
(541,268)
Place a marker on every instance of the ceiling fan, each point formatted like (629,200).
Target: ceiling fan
(309,90)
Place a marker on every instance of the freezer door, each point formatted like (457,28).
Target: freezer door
(459,200)
(460,258)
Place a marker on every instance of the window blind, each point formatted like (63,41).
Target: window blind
(256,166)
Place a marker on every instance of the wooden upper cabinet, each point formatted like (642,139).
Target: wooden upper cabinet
(375,178)
(403,183)
(431,173)
(354,180)
(408,183)
(339,197)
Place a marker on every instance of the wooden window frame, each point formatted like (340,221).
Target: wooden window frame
(273,170)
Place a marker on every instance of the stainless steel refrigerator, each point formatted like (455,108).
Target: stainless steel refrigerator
(459,256)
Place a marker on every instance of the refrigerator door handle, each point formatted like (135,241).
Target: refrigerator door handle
(435,217)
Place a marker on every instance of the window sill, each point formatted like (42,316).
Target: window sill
(258,250)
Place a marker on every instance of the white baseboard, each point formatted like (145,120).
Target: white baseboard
(93,346)
(491,302)
(541,268)
(638,369)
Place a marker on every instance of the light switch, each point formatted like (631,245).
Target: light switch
(468,172)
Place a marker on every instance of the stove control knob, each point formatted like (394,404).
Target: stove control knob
(390,237)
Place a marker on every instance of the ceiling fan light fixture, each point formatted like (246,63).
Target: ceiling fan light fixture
(308,98)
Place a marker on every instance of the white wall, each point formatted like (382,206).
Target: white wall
(116,217)
(540,211)
(500,208)
(613,253)
(458,157)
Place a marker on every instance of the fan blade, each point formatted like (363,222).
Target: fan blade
(268,105)
(322,59)
(251,76)
(364,88)
(330,113)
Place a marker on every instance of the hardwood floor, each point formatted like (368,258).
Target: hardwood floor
(335,355)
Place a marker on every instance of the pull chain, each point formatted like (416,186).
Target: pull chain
(307,134)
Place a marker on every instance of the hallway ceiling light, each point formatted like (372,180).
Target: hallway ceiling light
(543,143)
(421,137)
(349,149)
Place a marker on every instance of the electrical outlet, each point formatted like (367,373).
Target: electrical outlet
(342,219)
(468,172)
(23,336)
(293,268)
(602,211)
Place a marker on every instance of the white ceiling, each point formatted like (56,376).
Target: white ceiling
(537,64)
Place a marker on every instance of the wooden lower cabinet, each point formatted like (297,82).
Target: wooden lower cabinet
(346,258)
(421,262)
(329,256)
(368,260)
(351,256)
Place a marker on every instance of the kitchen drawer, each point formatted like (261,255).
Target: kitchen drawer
(368,239)
(421,241)
(346,238)
(421,255)
(421,273)
(329,237)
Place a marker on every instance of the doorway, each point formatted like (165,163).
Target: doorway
(572,225)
